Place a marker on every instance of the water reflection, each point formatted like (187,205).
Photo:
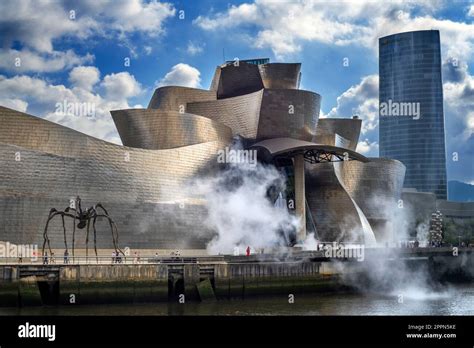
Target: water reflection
(453,301)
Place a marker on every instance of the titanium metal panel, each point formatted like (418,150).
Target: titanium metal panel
(155,129)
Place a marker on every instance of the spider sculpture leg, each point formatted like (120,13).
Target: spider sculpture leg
(52,213)
(116,237)
(64,231)
(73,236)
(87,239)
(113,228)
(73,213)
(95,237)
(74,216)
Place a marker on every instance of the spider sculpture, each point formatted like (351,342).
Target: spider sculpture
(83,218)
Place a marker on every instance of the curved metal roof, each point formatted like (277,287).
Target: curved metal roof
(314,153)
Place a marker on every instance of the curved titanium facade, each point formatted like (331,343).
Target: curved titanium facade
(376,186)
(240,113)
(280,75)
(232,80)
(329,129)
(410,72)
(142,189)
(288,113)
(155,129)
(268,113)
(174,98)
(335,214)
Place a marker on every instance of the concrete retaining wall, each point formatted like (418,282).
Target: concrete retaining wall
(89,284)
(27,285)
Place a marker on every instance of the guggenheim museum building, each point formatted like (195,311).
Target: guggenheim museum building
(339,194)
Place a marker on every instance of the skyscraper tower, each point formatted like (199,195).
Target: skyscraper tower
(411,108)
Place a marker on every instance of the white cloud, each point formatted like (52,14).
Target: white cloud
(29,61)
(368,148)
(120,86)
(102,128)
(470,124)
(194,48)
(84,77)
(362,100)
(25,87)
(459,115)
(36,25)
(457,38)
(459,102)
(284,26)
(470,11)
(36,96)
(148,50)
(16,104)
(182,75)
(235,15)
(137,15)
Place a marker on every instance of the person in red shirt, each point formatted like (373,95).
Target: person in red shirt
(248,251)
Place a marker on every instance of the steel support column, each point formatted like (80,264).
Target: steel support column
(300,206)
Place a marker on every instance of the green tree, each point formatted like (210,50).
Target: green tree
(455,231)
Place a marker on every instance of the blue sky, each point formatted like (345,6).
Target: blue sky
(76,50)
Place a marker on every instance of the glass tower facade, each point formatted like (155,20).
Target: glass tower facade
(411,117)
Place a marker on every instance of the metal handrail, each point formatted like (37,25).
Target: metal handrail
(128,260)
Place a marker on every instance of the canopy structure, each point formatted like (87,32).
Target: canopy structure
(271,150)
(312,152)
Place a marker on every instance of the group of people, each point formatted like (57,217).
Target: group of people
(116,257)
(436,244)
(48,259)
(409,244)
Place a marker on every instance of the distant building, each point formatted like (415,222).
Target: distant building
(419,208)
(411,108)
(256,61)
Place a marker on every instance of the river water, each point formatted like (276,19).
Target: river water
(455,300)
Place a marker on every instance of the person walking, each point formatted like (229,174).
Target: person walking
(118,257)
(248,250)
